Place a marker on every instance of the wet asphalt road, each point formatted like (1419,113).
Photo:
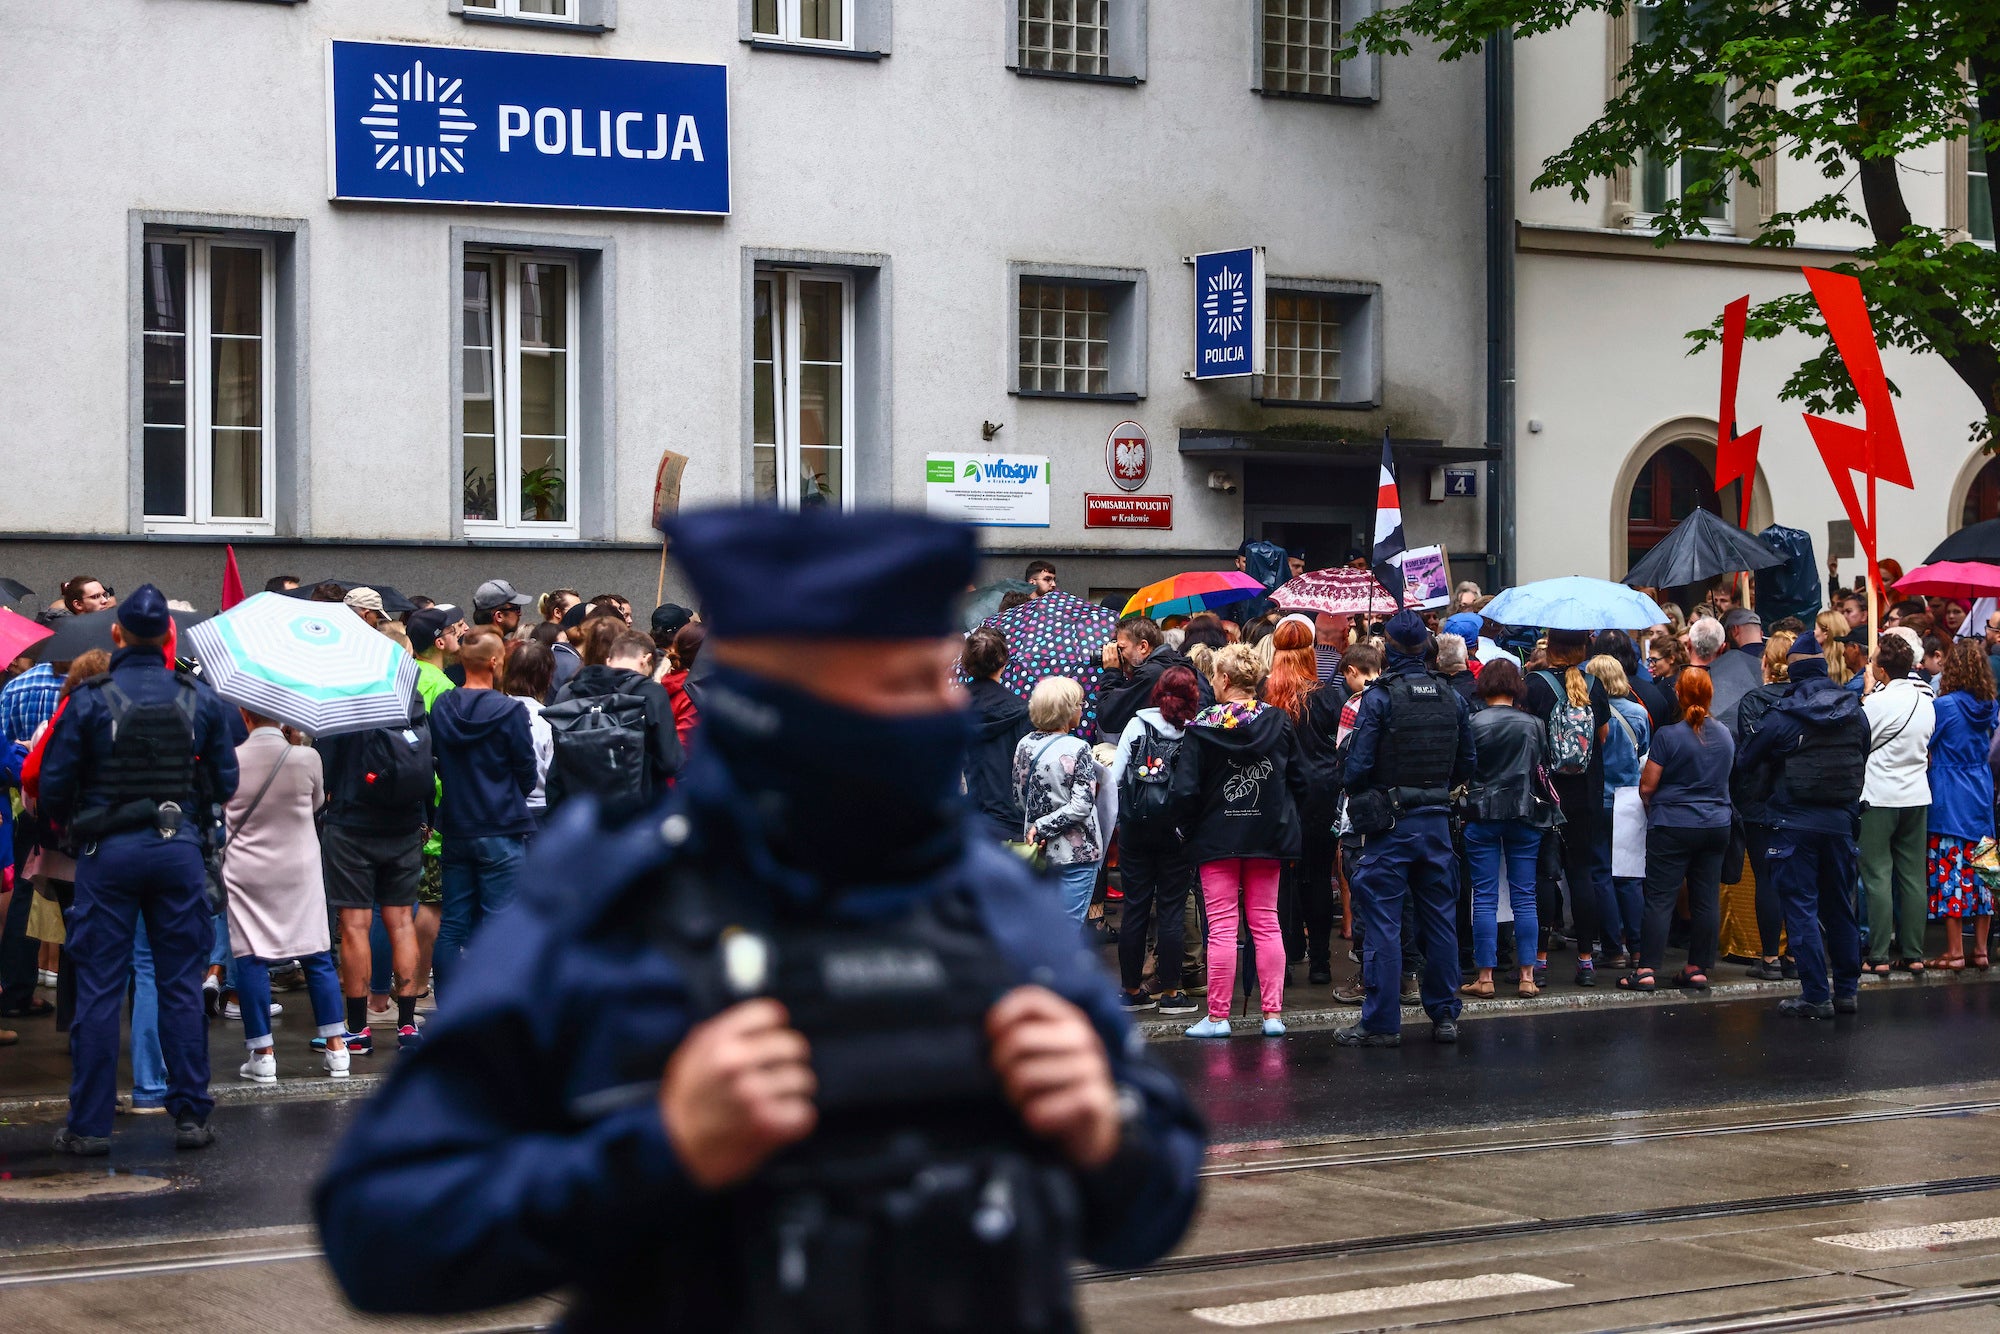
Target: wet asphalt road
(1504,1070)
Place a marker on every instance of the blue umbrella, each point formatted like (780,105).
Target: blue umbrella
(1574,602)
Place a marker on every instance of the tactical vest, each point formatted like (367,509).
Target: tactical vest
(920,1202)
(151,767)
(1419,741)
(1830,765)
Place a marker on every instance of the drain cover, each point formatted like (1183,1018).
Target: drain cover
(61,1187)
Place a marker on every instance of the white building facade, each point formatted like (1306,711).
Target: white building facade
(952,228)
(1615,424)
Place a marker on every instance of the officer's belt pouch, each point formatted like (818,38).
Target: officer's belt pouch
(1420,798)
(100,821)
(1371,811)
(968,1243)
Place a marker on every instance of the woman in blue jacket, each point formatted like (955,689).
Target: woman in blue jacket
(1961,801)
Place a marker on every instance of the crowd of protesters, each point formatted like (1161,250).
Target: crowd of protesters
(1194,778)
(355,867)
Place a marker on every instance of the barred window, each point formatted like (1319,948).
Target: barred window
(1301,38)
(1065,338)
(1066,36)
(1302,347)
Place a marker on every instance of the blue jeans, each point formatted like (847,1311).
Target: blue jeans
(1079,882)
(253,993)
(1621,899)
(149,1067)
(220,955)
(480,875)
(1488,845)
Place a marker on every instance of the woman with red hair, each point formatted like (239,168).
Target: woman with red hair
(1294,686)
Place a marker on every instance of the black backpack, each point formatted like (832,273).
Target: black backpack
(600,748)
(395,765)
(1145,801)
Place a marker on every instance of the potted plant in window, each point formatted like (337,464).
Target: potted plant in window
(542,491)
(482,501)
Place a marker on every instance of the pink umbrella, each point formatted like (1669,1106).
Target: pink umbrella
(1962,579)
(1337,592)
(17,632)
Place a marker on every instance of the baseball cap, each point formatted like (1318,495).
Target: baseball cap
(425,626)
(364,599)
(144,612)
(574,616)
(1407,629)
(1741,616)
(669,617)
(1466,625)
(497,593)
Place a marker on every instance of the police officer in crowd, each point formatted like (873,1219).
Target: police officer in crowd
(133,771)
(812,1053)
(1811,752)
(1412,744)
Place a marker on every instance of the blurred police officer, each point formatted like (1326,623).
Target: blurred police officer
(1412,744)
(798,1050)
(133,770)
(1812,745)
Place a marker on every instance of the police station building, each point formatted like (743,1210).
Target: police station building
(434,291)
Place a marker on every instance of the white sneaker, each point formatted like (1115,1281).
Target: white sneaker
(261,1068)
(336,1063)
(232,1010)
(45,977)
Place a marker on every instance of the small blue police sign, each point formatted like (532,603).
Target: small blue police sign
(452,125)
(1229,314)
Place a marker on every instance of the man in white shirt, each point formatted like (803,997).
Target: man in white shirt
(1895,804)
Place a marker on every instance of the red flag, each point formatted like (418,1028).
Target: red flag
(232,580)
(1735,455)
(1840,301)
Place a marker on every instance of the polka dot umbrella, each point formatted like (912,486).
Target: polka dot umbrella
(1057,634)
(316,666)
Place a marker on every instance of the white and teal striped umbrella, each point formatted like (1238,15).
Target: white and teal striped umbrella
(316,666)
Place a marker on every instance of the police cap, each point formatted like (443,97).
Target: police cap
(1407,630)
(824,574)
(143,613)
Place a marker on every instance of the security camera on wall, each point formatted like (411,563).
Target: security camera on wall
(1220,480)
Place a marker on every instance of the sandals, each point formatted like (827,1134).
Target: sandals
(1951,963)
(1914,967)
(1478,990)
(1982,962)
(1639,981)
(1526,989)
(1691,979)
(1879,969)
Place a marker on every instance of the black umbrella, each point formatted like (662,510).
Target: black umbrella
(393,602)
(78,635)
(1701,546)
(1979,541)
(15,590)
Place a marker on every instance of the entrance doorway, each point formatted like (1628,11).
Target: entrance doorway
(1322,544)
(1670,486)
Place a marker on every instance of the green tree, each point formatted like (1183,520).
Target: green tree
(1841,86)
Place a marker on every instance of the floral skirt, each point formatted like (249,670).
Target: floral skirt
(1957,890)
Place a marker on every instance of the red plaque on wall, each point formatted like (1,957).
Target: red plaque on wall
(1128,511)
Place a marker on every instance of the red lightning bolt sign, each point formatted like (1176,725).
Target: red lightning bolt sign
(1875,449)
(1735,455)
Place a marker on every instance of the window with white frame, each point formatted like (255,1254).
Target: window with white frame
(1065,336)
(518,395)
(208,372)
(1065,36)
(548,11)
(805,22)
(802,384)
(1666,173)
(1301,39)
(1978,191)
(1302,346)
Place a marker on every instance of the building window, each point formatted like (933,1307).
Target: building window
(802,387)
(518,398)
(544,11)
(1065,36)
(208,375)
(1978,188)
(1672,485)
(806,22)
(1302,346)
(1666,174)
(1065,338)
(1301,38)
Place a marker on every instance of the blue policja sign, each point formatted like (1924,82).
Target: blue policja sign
(449,125)
(1229,314)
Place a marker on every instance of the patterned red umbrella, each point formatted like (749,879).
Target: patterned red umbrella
(1056,634)
(1337,592)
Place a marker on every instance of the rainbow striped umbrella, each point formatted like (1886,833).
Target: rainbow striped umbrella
(316,666)
(1198,590)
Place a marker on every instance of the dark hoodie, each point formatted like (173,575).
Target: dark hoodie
(663,744)
(1120,695)
(1812,702)
(1240,785)
(485,758)
(999,721)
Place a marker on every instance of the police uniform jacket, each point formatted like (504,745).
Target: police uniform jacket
(81,742)
(1815,703)
(1371,729)
(522,1150)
